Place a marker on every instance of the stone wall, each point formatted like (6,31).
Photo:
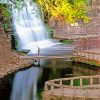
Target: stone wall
(10,60)
(86,44)
(5,87)
(5,48)
(48,96)
(61,27)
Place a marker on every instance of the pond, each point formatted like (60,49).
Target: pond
(32,35)
(29,84)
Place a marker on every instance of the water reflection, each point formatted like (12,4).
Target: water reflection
(25,84)
(28,82)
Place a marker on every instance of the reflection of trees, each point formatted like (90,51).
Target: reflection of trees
(83,69)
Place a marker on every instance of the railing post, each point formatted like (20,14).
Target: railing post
(71,82)
(98,56)
(60,81)
(99,80)
(89,56)
(91,81)
(81,83)
(46,87)
(86,55)
(93,56)
(52,88)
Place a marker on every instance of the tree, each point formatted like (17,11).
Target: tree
(71,10)
(19,4)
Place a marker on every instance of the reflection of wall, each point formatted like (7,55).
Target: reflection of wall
(59,68)
(83,69)
(57,63)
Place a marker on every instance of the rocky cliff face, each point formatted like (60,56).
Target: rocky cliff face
(5,48)
(6,55)
(10,60)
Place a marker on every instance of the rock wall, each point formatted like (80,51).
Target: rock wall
(61,27)
(5,87)
(5,48)
(10,60)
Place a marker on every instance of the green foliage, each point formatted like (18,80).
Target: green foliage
(5,13)
(50,30)
(4,10)
(71,10)
(76,82)
(19,4)
(86,81)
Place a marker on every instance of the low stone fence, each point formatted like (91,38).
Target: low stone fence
(87,55)
(75,88)
(76,36)
(92,58)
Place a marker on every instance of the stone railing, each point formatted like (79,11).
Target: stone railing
(76,36)
(94,56)
(82,86)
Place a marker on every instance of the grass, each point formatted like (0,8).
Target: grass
(39,94)
(76,82)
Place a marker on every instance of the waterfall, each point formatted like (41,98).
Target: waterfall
(25,84)
(32,35)
(30,29)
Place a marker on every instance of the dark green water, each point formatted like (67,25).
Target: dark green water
(60,68)
(51,69)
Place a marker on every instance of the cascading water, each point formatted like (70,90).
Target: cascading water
(30,29)
(25,84)
(31,34)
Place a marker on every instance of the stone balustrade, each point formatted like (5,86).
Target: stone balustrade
(82,87)
(87,55)
(76,36)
